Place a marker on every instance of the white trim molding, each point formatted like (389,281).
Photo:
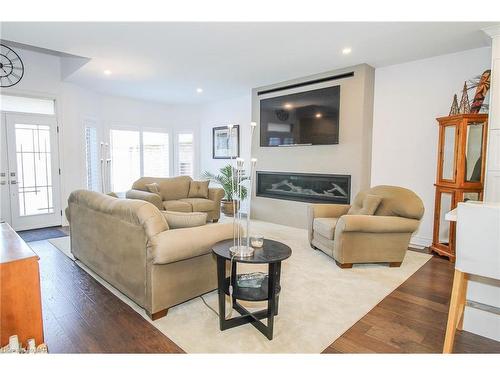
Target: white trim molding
(420,242)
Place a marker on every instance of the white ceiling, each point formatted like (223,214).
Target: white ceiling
(168,61)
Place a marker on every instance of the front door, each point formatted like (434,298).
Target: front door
(33,171)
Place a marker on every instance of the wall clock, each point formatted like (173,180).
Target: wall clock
(11,67)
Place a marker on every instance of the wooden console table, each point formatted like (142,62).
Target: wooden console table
(20,300)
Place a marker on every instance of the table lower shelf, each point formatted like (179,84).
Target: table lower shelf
(250,294)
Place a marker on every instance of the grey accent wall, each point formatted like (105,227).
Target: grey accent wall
(351,156)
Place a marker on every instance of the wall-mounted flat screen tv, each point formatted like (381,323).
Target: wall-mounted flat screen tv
(305,118)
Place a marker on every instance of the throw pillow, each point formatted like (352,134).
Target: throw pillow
(185,219)
(153,188)
(369,206)
(198,189)
(112,194)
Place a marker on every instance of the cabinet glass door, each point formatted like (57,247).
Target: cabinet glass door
(446,202)
(473,152)
(448,153)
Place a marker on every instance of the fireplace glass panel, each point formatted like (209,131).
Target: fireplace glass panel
(304,187)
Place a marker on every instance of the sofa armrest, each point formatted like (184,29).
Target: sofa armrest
(145,196)
(323,210)
(327,210)
(184,243)
(216,195)
(375,224)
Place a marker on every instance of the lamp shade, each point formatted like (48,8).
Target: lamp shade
(478,239)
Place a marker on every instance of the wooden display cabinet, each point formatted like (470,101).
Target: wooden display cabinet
(460,172)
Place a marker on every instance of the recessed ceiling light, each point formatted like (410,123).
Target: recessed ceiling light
(318,115)
(107,72)
(288,105)
(346,50)
(199,90)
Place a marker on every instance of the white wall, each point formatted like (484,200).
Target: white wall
(408,98)
(236,111)
(75,104)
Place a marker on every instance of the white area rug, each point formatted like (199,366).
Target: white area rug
(318,303)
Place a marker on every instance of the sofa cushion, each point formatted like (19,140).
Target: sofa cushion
(200,204)
(177,205)
(325,226)
(185,219)
(368,205)
(198,189)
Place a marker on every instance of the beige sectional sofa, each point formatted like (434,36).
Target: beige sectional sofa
(351,234)
(177,194)
(129,244)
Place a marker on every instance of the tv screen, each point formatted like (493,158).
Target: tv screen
(305,118)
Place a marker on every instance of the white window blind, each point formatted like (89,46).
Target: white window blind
(155,154)
(185,156)
(92,159)
(125,158)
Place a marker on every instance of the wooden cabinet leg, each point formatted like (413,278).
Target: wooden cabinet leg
(457,304)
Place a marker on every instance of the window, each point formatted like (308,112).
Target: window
(92,159)
(11,103)
(155,154)
(185,154)
(125,158)
(136,153)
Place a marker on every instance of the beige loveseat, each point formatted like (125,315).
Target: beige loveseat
(381,237)
(176,194)
(129,244)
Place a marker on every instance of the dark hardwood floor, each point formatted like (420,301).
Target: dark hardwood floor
(412,319)
(81,316)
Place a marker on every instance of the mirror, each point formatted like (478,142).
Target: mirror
(473,152)
(444,226)
(448,171)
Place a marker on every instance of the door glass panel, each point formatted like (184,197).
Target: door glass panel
(448,171)
(444,226)
(125,156)
(473,152)
(34,173)
(155,154)
(11,103)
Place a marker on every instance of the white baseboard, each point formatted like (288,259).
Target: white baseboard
(420,242)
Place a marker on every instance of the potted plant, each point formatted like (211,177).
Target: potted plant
(227,179)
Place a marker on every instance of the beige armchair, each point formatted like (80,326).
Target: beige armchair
(381,237)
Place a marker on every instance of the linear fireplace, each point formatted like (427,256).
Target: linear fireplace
(304,187)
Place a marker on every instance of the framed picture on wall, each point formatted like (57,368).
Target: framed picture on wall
(221,143)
